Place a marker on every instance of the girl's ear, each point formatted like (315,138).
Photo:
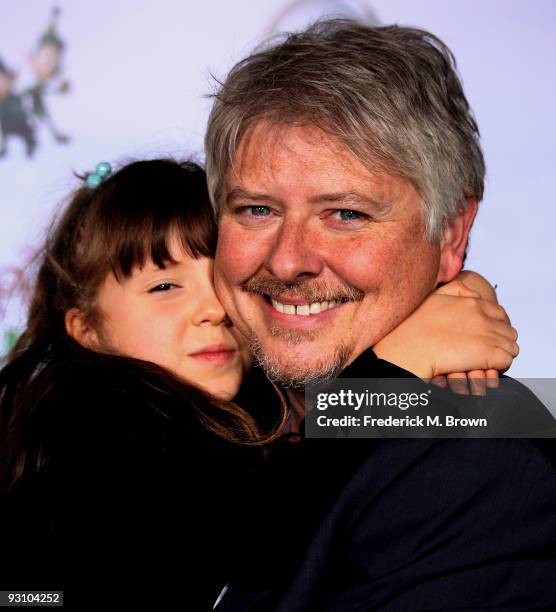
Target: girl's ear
(78,328)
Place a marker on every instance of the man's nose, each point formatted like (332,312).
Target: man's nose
(294,253)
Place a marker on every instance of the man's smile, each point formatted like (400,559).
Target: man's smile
(303,308)
(299,312)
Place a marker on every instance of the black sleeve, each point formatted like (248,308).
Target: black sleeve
(471,525)
(126,509)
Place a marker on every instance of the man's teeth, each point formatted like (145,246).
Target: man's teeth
(304,309)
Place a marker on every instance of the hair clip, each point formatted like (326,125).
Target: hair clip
(102,172)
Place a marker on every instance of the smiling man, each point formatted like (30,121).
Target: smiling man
(348,198)
(345,169)
(319,258)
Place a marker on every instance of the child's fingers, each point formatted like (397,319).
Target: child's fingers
(492,379)
(503,329)
(439,381)
(495,311)
(500,357)
(457,289)
(477,382)
(508,345)
(458,383)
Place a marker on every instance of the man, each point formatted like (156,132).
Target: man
(345,168)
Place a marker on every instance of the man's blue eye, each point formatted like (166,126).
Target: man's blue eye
(259,211)
(349,215)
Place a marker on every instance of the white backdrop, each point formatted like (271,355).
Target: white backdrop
(139,70)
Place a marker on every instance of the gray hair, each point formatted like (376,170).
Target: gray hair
(390,94)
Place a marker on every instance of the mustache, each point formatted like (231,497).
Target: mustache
(312,291)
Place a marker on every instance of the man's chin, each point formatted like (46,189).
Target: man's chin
(296,366)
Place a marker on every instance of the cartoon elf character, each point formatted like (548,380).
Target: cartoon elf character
(46,65)
(16,283)
(13,119)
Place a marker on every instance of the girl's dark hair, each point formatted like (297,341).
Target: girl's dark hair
(113,228)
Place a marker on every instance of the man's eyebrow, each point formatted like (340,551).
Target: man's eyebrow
(343,198)
(242,194)
(351,198)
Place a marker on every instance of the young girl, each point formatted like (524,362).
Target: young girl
(125,466)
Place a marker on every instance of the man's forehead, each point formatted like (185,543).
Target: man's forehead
(271,153)
(265,140)
(295,158)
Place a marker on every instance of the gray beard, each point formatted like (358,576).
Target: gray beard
(297,377)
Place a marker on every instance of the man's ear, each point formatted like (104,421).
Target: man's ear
(454,242)
(78,328)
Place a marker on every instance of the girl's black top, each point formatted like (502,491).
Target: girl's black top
(138,502)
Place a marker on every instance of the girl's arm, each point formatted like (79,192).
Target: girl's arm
(458,333)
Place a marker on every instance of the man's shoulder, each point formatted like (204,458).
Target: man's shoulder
(454,463)
(463,523)
(421,520)
(404,484)
(466,509)
(511,409)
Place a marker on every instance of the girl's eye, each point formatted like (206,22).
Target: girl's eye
(162,287)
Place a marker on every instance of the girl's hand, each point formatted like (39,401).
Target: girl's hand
(476,381)
(455,336)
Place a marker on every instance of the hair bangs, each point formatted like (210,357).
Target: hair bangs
(146,206)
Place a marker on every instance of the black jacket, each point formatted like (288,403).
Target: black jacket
(411,524)
(138,502)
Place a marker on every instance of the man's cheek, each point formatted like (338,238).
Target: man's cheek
(240,254)
(359,267)
(229,259)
